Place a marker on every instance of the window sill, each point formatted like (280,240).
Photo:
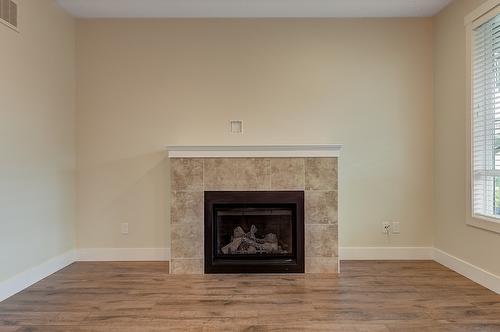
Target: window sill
(484,222)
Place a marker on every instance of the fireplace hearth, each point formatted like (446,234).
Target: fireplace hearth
(254,232)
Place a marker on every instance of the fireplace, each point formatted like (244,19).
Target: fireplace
(196,172)
(254,232)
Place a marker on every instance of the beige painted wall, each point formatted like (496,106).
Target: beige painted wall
(37,145)
(452,235)
(143,84)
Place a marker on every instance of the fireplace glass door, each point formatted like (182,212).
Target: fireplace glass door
(254,231)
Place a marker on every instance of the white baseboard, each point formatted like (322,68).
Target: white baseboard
(474,273)
(27,278)
(35,274)
(123,254)
(386,253)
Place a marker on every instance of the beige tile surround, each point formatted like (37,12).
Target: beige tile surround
(190,177)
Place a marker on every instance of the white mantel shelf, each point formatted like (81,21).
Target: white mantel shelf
(256,151)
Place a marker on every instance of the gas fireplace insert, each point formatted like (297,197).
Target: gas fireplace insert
(254,232)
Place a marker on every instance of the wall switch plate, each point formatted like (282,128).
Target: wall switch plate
(236,126)
(395,227)
(386,226)
(124,228)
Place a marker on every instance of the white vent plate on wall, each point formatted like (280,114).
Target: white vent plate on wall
(8,13)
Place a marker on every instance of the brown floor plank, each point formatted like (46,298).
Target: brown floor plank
(142,296)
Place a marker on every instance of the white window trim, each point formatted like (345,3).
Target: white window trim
(474,19)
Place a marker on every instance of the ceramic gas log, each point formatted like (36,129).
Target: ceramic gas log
(248,243)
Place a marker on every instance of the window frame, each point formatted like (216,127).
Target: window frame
(476,18)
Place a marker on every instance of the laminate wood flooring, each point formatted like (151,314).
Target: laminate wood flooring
(142,296)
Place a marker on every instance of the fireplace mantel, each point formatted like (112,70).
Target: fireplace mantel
(256,151)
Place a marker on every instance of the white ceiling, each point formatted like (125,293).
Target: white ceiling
(253,8)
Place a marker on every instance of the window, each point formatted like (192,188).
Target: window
(486,118)
(483,40)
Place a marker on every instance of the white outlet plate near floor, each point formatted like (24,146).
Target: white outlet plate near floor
(395,227)
(124,228)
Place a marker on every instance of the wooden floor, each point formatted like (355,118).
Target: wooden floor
(141,296)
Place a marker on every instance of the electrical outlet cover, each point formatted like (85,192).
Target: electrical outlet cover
(124,228)
(236,126)
(386,226)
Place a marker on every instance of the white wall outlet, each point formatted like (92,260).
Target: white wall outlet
(395,227)
(386,227)
(124,228)
(236,126)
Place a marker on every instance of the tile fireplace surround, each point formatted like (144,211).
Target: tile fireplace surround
(196,169)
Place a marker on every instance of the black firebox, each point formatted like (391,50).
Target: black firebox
(254,232)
